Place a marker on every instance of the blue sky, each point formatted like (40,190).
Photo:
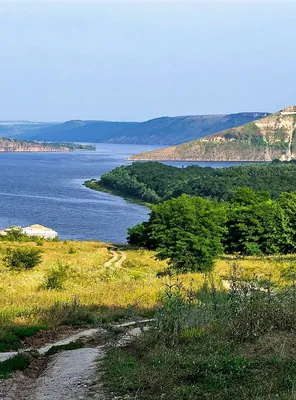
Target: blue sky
(121,60)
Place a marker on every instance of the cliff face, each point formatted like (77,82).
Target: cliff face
(21,145)
(262,140)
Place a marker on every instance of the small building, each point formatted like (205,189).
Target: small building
(291,110)
(41,231)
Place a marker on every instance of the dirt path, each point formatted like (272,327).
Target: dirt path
(43,350)
(123,257)
(226,284)
(118,257)
(68,375)
(112,260)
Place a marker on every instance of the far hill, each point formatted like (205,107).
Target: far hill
(21,128)
(162,131)
(265,139)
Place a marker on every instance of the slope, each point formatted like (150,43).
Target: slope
(265,139)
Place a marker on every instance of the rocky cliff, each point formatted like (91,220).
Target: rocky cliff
(266,139)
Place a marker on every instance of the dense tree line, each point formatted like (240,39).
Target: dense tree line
(154,182)
(192,231)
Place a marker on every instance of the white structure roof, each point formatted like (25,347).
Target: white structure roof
(39,230)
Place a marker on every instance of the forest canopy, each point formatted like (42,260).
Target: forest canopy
(154,182)
(191,231)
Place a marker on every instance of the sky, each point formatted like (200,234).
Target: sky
(137,60)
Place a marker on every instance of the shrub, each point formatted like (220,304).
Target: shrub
(15,234)
(22,258)
(56,277)
(72,250)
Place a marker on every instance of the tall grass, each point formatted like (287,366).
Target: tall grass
(226,340)
(86,292)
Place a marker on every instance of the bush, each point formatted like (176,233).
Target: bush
(56,277)
(72,250)
(22,258)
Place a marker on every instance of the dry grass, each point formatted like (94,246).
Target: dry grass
(92,288)
(24,301)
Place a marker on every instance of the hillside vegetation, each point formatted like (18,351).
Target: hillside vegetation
(266,139)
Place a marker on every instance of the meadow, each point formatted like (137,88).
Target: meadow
(219,335)
(231,338)
(72,286)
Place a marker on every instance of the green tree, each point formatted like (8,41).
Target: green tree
(246,196)
(287,202)
(140,236)
(188,232)
(258,228)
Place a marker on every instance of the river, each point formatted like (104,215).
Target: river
(46,189)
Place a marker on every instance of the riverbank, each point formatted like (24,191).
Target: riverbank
(96,185)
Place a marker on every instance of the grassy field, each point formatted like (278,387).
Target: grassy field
(229,336)
(92,293)
(204,359)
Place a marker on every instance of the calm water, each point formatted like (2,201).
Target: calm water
(46,189)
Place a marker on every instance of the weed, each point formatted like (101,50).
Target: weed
(56,277)
(65,347)
(11,337)
(72,250)
(16,363)
(200,345)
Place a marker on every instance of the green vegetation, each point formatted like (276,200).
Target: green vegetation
(22,258)
(16,363)
(213,343)
(186,231)
(56,276)
(11,336)
(249,133)
(65,347)
(190,352)
(69,145)
(153,182)
(191,231)
(15,234)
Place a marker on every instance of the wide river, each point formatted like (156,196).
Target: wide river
(46,189)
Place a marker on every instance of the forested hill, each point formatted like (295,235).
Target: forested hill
(153,182)
(162,131)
